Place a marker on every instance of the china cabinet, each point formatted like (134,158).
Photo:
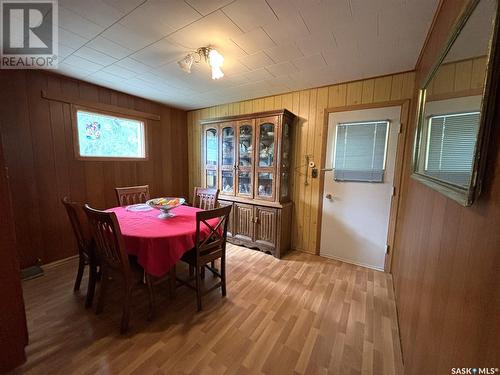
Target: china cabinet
(248,158)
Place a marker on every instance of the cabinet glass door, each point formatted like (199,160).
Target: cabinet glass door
(265,184)
(265,173)
(228,164)
(211,157)
(244,166)
(266,145)
(285,159)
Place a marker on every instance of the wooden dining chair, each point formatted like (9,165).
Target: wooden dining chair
(206,199)
(127,196)
(110,249)
(86,248)
(207,249)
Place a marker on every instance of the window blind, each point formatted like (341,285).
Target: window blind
(360,149)
(451,141)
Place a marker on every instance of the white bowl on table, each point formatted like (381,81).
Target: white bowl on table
(165,205)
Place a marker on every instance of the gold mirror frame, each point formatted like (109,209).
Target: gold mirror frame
(463,196)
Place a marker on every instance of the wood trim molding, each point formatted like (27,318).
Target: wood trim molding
(59,262)
(100,106)
(457,94)
(245,116)
(405,105)
(76,144)
(429,33)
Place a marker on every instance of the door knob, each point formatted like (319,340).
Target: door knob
(329,196)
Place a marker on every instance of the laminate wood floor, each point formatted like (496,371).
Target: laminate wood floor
(300,315)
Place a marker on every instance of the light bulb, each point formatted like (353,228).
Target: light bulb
(217,73)
(216,60)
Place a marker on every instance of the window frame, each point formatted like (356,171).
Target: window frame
(355,123)
(427,133)
(76,142)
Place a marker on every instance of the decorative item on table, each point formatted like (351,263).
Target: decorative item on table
(140,207)
(165,205)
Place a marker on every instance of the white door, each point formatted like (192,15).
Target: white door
(355,216)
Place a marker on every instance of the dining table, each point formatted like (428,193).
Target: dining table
(158,243)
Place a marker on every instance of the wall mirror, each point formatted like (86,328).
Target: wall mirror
(453,106)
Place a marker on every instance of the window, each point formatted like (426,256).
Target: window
(360,149)
(451,139)
(107,136)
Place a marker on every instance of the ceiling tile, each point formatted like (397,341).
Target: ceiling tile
(98,11)
(155,25)
(281,69)
(108,47)
(284,53)
(287,29)
(249,14)
(234,67)
(124,5)
(70,39)
(315,43)
(133,65)
(309,62)
(73,71)
(119,71)
(257,60)
(95,56)
(254,41)
(102,76)
(75,23)
(215,29)
(159,53)
(174,13)
(133,37)
(81,63)
(318,42)
(258,75)
(333,56)
(283,8)
(207,6)
(323,15)
(64,51)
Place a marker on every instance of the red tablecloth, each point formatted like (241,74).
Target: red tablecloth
(158,243)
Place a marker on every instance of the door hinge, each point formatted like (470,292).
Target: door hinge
(393,191)
(387,248)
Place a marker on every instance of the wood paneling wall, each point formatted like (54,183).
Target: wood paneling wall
(13,330)
(309,105)
(459,78)
(447,257)
(39,150)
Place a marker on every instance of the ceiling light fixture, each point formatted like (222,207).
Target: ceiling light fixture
(186,63)
(212,57)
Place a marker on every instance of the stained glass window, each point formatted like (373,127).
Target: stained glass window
(107,136)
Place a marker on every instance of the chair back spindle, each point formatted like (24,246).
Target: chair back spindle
(206,199)
(213,245)
(108,239)
(127,196)
(79,224)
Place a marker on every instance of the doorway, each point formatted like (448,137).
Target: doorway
(359,180)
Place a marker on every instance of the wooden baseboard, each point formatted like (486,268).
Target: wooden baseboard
(59,262)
